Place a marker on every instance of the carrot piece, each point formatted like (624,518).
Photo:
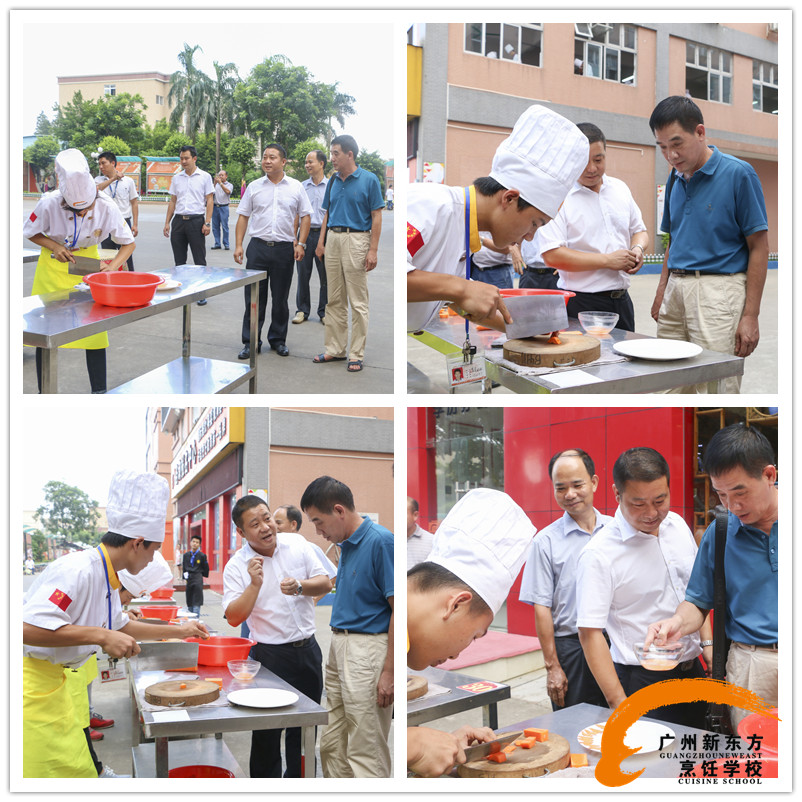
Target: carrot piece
(182,686)
(578,760)
(529,743)
(495,748)
(509,749)
(498,757)
(538,734)
(216,680)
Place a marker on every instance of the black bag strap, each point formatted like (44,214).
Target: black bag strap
(671,179)
(720,595)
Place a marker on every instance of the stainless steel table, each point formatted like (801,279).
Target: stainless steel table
(57,318)
(422,710)
(305,713)
(30,255)
(633,376)
(570,721)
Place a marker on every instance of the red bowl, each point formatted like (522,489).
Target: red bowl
(517,292)
(218,651)
(755,724)
(123,288)
(200,771)
(165,613)
(162,593)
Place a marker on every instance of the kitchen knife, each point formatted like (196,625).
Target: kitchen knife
(84,265)
(535,314)
(155,655)
(487,748)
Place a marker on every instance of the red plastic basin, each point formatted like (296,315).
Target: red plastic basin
(165,613)
(513,293)
(218,651)
(200,771)
(162,593)
(123,288)
(755,724)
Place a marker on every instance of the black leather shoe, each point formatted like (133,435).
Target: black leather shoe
(245,353)
(215,248)
(282,350)
(202,302)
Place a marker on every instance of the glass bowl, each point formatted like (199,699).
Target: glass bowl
(598,324)
(659,658)
(244,670)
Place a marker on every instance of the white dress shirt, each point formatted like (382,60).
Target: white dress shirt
(191,190)
(628,579)
(487,257)
(276,618)
(122,192)
(594,222)
(71,590)
(419,544)
(315,193)
(532,253)
(549,576)
(272,208)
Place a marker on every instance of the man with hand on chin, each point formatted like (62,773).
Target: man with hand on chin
(272,581)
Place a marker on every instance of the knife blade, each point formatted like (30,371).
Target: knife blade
(535,314)
(485,749)
(166,656)
(84,265)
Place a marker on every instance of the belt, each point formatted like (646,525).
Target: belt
(301,643)
(769,647)
(339,631)
(273,243)
(541,271)
(221,204)
(189,216)
(314,228)
(489,267)
(697,273)
(346,230)
(605,293)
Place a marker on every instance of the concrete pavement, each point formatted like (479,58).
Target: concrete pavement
(147,344)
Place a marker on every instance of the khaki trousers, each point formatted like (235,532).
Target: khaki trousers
(347,283)
(706,311)
(354,742)
(753,669)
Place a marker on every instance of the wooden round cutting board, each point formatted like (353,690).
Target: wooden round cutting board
(537,352)
(551,755)
(170,692)
(416,686)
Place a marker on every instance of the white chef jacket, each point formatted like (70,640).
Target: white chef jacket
(191,190)
(628,579)
(276,618)
(594,222)
(71,590)
(122,192)
(315,193)
(103,220)
(435,240)
(549,576)
(272,208)
(221,197)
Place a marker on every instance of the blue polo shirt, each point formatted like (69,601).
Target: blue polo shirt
(712,215)
(350,202)
(364,580)
(750,565)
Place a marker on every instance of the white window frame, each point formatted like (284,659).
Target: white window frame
(159,100)
(584,32)
(711,62)
(767,72)
(109,90)
(535,26)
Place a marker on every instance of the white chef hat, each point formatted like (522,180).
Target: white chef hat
(75,182)
(542,158)
(137,505)
(484,541)
(153,576)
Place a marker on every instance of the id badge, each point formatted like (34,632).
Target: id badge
(461,372)
(111,671)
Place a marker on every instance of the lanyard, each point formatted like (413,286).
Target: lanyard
(468,350)
(76,232)
(114,192)
(108,584)
(192,557)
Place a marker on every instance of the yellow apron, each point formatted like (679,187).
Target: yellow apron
(52,276)
(53,741)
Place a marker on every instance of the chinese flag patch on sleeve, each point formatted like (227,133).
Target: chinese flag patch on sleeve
(414,239)
(32,218)
(61,599)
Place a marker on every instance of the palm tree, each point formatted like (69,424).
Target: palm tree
(221,102)
(190,89)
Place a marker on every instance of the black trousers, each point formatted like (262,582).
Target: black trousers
(195,591)
(278,261)
(533,279)
(688,714)
(93,754)
(110,243)
(303,299)
(582,686)
(185,233)
(602,302)
(95,367)
(301,667)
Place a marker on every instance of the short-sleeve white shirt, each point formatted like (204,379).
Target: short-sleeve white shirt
(101,221)
(271,208)
(315,193)
(628,579)
(71,590)
(419,545)
(435,240)
(191,190)
(276,618)
(594,222)
(221,197)
(122,192)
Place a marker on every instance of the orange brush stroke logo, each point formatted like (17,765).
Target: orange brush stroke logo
(672,691)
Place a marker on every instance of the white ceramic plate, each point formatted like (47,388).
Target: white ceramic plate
(169,284)
(661,350)
(645,734)
(262,697)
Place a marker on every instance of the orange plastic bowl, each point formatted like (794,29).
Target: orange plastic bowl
(755,724)
(200,771)
(123,288)
(218,651)
(566,294)
(162,593)
(165,613)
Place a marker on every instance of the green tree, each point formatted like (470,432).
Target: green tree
(373,163)
(43,125)
(38,547)
(189,93)
(68,514)
(115,145)
(241,151)
(155,139)
(223,84)
(41,154)
(175,143)
(297,157)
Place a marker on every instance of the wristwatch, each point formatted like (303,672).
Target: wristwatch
(299,590)
(303,245)
(705,643)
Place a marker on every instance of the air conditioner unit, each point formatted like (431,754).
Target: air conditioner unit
(772,26)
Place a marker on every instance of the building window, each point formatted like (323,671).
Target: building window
(520,43)
(159,100)
(708,73)
(764,87)
(110,89)
(606,50)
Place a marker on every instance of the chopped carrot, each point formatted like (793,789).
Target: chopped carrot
(537,734)
(529,743)
(183,686)
(578,760)
(498,757)
(554,338)
(216,680)
(509,749)
(495,748)
(521,741)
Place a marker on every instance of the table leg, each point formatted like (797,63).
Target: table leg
(490,716)
(136,732)
(49,370)
(161,757)
(309,751)
(254,333)
(186,344)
